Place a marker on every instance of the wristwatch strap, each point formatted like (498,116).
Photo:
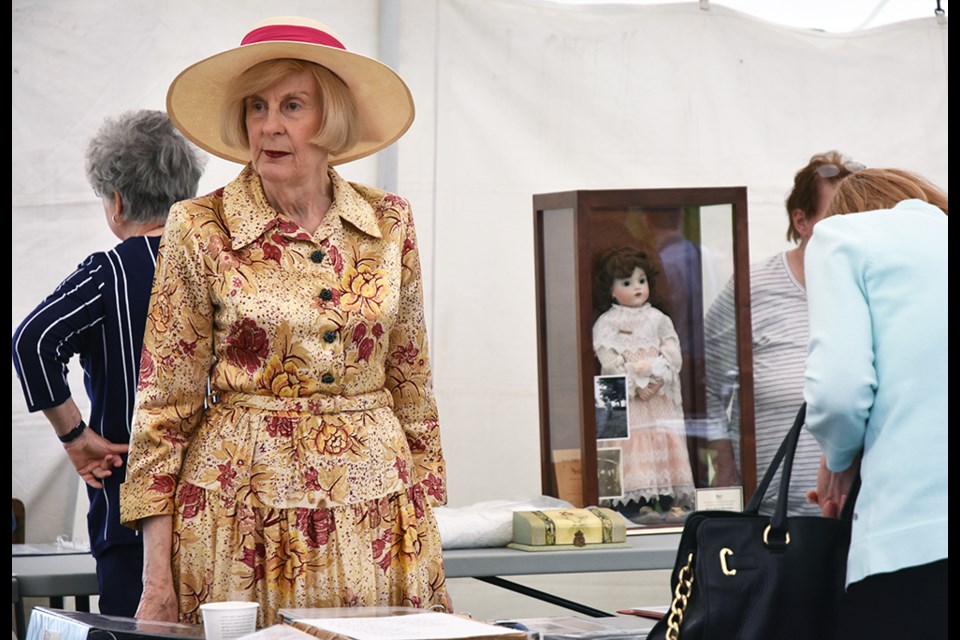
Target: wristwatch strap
(73,434)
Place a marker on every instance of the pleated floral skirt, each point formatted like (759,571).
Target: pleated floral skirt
(380,552)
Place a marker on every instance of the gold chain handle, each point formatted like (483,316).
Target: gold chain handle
(680,597)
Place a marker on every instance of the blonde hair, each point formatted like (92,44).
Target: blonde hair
(872,189)
(338,130)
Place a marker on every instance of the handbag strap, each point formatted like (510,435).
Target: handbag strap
(789,442)
(785,456)
(846,513)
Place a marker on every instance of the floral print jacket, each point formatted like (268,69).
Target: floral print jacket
(313,348)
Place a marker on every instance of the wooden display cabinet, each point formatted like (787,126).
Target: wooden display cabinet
(699,237)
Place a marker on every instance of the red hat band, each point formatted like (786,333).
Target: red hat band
(291,33)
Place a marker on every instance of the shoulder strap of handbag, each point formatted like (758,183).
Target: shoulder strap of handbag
(787,450)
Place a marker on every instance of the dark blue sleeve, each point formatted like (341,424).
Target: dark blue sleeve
(59,328)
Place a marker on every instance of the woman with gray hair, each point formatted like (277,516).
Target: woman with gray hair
(139,165)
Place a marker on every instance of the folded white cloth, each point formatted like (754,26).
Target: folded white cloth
(486,524)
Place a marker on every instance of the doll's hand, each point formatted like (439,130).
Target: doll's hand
(643,368)
(610,360)
(650,390)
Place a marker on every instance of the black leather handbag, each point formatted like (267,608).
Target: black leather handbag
(746,576)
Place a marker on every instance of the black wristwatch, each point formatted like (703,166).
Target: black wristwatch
(73,434)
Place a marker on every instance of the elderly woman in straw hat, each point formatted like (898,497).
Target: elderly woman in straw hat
(285,447)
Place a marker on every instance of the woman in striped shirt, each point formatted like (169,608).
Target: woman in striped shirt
(139,165)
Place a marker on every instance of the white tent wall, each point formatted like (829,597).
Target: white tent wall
(75,63)
(513,98)
(536,98)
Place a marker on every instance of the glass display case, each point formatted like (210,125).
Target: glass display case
(628,399)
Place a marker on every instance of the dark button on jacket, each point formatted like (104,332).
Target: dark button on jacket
(317,256)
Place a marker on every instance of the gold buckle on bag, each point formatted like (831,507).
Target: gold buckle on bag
(766,533)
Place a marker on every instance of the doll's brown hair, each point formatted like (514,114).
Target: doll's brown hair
(619,262)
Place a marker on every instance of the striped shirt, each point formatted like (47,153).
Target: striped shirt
(97,313)
(778,309)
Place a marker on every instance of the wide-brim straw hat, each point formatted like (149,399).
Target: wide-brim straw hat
(384,103)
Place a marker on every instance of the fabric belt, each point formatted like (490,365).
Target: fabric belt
(317,405)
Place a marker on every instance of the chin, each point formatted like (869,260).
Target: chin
(273,174)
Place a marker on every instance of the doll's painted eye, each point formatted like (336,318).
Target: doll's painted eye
(642,281)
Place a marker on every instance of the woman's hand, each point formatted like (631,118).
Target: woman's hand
(159,598)
(94,457)
(832,488)
(159,603)
(724,464)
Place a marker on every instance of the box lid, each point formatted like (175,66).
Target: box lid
(568,527)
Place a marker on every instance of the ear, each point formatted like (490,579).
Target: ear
(800,222)
(117,206)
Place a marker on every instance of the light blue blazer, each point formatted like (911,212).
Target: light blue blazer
(876,376)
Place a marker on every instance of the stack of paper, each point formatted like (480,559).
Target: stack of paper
(393,623)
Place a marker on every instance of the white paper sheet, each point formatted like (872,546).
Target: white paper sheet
(423,626)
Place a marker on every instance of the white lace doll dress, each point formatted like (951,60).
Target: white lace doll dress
(654,456)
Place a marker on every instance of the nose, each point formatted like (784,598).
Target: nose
(273,123)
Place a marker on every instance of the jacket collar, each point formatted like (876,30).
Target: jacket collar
(247,214)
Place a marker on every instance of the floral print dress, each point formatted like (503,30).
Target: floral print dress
(285,416)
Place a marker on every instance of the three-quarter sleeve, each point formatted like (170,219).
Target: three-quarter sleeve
(409,375)
(174,368)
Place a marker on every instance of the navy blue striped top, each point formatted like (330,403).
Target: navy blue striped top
(97,313)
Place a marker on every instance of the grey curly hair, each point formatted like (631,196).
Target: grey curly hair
(141,155)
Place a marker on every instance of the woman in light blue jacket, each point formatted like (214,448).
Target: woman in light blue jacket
(876,393)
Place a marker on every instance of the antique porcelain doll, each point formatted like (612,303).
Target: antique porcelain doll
(634,338)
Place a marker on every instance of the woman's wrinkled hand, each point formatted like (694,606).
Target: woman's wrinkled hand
(158,603)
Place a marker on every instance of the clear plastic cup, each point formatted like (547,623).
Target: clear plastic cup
(228,620)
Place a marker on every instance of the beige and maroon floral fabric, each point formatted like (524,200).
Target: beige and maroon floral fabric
(306,476)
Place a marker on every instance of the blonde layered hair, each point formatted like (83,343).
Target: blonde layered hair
(873,189)
(338,122)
